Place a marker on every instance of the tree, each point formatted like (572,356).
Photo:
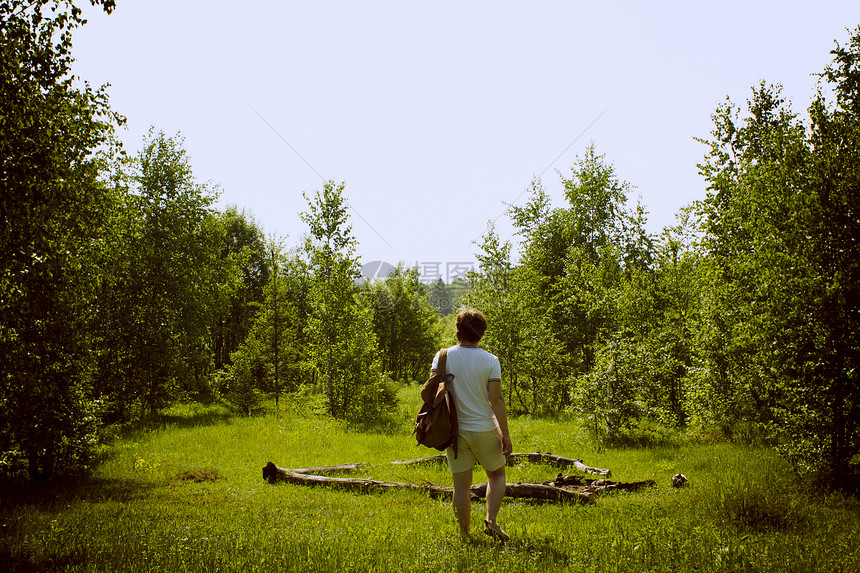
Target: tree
(441,297)
(243,257)
(782,216)
(273,356)
(52,205)
(494,293)
(667,348)
(243,378)
(580,272)
(404,321)
(605,395)
(343,346)
(159,304)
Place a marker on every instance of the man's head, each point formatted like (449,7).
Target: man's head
(471,324)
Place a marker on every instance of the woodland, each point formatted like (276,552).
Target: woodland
(124,291)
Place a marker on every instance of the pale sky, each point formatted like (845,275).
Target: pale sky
(436,114)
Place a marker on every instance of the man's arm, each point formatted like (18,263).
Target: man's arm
(497,403)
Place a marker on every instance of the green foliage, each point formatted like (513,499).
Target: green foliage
(519,332)
(580,282)
(783,269)
(272,357)
(605,396)
(241,388)
(446,297)
(52,207)
(160,284)
(343,346)
(667,347)
(406,325)
(244,264)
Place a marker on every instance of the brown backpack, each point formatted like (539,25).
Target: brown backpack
(436,423)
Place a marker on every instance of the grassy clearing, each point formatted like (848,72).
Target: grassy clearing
(188,495)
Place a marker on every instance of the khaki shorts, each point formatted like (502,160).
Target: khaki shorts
(483,447)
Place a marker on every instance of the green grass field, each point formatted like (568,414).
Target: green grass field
(187,494)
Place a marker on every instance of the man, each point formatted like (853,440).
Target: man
(483,422)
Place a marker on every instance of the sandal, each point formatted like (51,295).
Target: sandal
(494,531)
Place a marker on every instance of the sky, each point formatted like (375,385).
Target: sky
(437,115)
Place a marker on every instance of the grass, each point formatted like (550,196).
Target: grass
(188,495)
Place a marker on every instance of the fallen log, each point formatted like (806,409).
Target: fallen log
(597,485)
(561,489)
(537,457)
(511,459)
(322,470)
(273,474)
(559,461)
(546,492)
(432,459)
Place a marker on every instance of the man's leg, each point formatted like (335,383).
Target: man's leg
(495,492)
(462,501)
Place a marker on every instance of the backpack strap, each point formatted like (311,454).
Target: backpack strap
(430,390)
(444,393)
(435,391)
(444,379)
(442,365)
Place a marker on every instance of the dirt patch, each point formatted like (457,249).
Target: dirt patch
(199,476)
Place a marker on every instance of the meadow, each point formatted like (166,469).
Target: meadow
(185,493)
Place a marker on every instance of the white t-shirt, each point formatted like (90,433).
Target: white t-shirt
(472,369)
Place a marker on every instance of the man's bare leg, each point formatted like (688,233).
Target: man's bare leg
(495,493)
(462,501)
